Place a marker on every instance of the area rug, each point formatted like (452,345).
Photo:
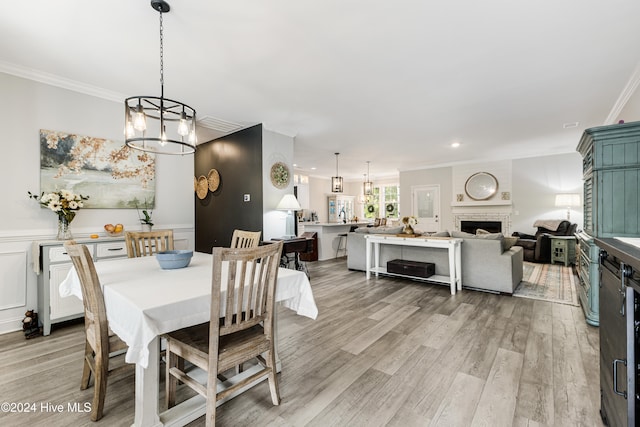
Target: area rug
(555,283)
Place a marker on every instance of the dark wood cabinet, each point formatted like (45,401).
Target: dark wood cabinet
(619,314)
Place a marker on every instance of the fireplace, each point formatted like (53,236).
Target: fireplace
(472,226)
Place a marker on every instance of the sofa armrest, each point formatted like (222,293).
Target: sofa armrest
(527,243)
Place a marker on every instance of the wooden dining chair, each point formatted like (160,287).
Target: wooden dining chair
(245,239)
(241,326)
(100,342)
(146,243)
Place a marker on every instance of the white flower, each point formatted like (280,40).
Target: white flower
(73,205)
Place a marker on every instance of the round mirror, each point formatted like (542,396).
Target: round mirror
(481,186)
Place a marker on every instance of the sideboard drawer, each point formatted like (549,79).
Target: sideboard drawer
(59,254)
(111,250)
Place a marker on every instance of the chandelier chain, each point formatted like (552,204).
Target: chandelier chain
(161,54)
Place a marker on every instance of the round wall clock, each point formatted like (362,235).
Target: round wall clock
(481,186)
(280,175)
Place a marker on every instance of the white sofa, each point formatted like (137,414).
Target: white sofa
(486,264)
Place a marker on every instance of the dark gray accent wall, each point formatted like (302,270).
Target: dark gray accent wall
(238,159)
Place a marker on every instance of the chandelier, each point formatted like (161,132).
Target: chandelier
(368,185)
(336,181)
(158,124)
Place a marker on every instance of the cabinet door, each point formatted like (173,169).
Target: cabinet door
(61,307)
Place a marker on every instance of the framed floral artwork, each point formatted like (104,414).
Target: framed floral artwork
(112,174)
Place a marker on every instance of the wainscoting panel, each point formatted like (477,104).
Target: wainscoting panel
(13,281)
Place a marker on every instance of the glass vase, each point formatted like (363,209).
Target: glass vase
(64,221)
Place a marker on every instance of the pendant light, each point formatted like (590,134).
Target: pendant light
(158,124)
(368,185)
(336,181)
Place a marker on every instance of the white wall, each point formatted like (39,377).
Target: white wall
(536,181)
(27,107)
(275,148)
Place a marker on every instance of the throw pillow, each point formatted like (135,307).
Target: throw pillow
(391,230)
(441,234)
(481,231)
(508,242)
(363,230)
(490,236)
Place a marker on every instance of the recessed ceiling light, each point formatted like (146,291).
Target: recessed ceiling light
(570,125)
(455,144)
(313,168)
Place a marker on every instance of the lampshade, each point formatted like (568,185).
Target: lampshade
(289,203)
(567,200)
(336,181)
(158,124)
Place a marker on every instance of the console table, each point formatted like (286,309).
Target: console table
(451,244)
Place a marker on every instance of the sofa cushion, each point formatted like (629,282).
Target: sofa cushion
(490,236)
(364,230)
(441,234)
(462,235)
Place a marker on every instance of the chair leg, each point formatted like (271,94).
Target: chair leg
(100,389)
(171,382)
(273,377)
(86,370)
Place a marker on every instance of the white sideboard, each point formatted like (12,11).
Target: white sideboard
(54,266)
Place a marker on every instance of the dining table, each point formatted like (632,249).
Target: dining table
(144,301)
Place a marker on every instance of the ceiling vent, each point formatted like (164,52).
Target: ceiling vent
(570,125)
(218,125)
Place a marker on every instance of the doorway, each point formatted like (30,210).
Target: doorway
(425,206)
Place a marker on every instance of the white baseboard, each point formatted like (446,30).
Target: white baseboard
(10,325)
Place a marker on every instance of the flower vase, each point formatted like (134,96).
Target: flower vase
(64,221)
(407,229)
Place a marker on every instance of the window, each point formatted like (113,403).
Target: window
(383,203)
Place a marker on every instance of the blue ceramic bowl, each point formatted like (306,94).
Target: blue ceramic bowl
(170,260)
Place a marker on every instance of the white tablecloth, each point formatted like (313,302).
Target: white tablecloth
(144,301)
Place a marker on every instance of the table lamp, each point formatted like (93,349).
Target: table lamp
(289,203)
(568,201)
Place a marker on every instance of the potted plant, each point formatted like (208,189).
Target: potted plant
(145,219)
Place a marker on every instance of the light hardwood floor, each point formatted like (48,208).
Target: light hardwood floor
(387,352)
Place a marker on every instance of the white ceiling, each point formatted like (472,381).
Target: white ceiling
(390,82)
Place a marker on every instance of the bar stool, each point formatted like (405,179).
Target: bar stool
(344,236)
(341,237)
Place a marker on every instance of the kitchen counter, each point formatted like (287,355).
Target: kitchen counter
(328,238)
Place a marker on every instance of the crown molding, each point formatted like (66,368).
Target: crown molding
(61,82)
(624,97)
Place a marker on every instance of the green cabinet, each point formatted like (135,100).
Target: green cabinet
(588,278)
(611,172)
(563,249)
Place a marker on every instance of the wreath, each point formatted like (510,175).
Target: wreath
(390,208)
(370,209)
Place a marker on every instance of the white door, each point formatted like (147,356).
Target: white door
(425,205)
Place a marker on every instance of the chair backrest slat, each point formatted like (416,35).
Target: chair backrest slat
(245,239)
(250,286)
(146,243)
